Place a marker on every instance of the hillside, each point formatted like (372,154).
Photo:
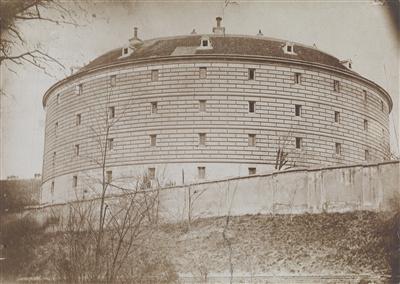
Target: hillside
(308,248)
(318,244)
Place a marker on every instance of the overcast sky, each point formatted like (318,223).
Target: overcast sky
(358,30)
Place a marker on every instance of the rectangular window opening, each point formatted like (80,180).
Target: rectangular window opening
(154,75)
(252,106)
(153,140)
(154,107)
(201,172)
(365,95)
(76,149)
(109,176)
(80,89)
(54,158)
(297,78)
(382,106)
(52,188)
(204,43)
(366,155)
(252,73)
(151,172)
(298,142)
(203,72)
(110,144)
(336,85)
(297,110)
(202,106)
(337,116)
(338,148)
(365,125)
(111,112)
(202,139)
(78,119)
(75,181)
(252,171)
(252,140)
(113,80)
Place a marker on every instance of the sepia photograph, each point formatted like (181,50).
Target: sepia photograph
(199,141)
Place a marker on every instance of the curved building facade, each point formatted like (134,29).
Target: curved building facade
(205,107)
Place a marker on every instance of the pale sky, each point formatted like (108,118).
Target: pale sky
(359,30)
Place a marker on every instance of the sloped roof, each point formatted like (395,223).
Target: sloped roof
(221,45)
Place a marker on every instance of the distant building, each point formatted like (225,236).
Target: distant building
(204,107)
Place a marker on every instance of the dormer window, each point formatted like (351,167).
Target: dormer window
(289,48)
(205,43)
(126,51)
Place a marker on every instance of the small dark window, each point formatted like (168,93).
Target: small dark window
(125,50)
(202,139)
(252,106)
(80,89)
(252,171)
(252,73)
(154,75)
(297,78)
(58,98)
(78,119)
(109,176)
(52,188)
(382,106)
(76,148)
(111,112)
(366,155)
(110,144)
(202,105)
(336,85)
(297,110)
(153,140)
(54,158)
(298,143)
(337,116)
(151,172)
(252,140)
(204,43)
(338,148)
(365,125)
(201,172)
(365,95)
(203,72)
(289,48)
(75,181)
(113,80)
(154,108)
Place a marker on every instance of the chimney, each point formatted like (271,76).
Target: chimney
(218,30)
(219,19)
(135,41)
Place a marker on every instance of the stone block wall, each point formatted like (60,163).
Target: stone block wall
(226,122)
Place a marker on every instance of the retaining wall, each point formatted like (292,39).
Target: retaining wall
(331,189)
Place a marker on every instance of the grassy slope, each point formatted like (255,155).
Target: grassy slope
(345,243)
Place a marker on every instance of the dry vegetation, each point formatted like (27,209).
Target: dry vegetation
(309,244)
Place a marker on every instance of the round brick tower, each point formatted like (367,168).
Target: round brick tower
(205,107)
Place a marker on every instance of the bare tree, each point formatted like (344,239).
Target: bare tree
(14,48)
(282,158)
(105,229)
(225,236)
(193,195)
